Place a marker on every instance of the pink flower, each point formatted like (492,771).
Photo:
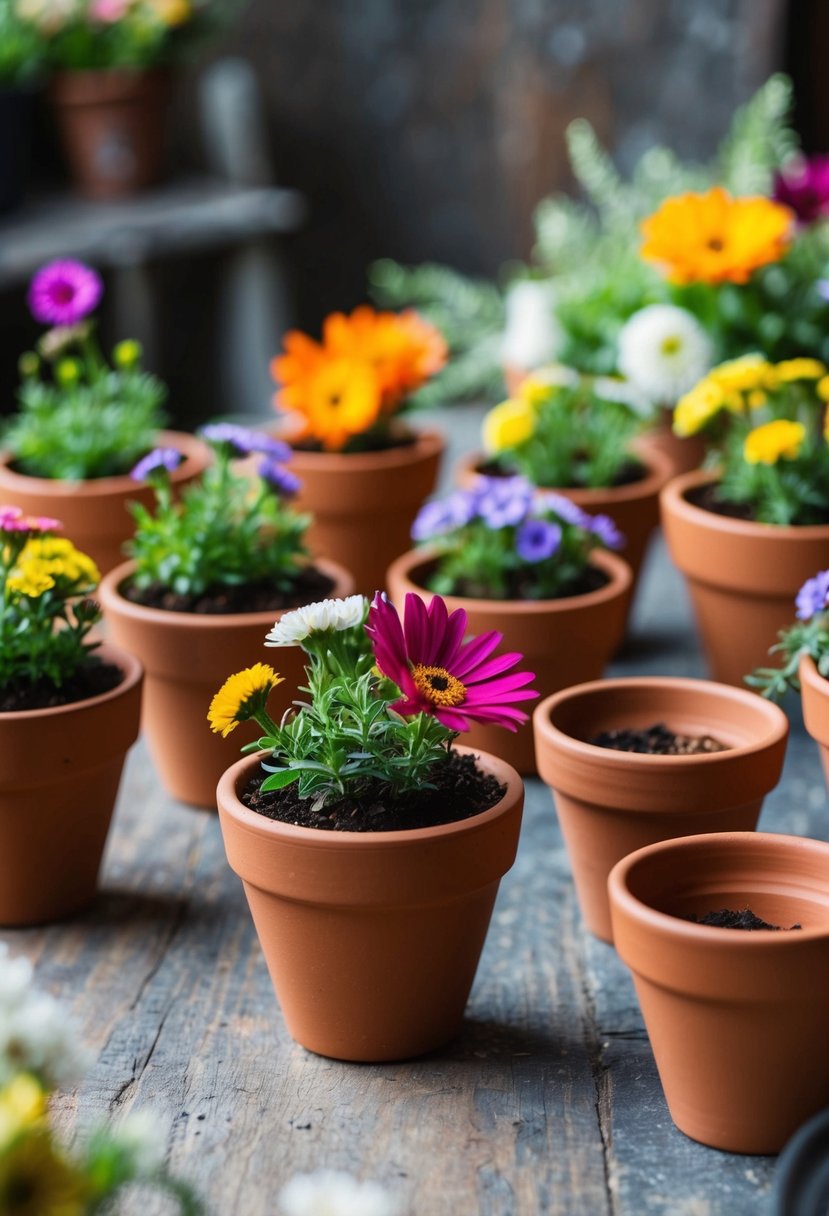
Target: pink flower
(64,292)
(803,185)
(108,12)
(12,519)
(440,674)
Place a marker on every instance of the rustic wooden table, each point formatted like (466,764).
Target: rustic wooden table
(549,1101)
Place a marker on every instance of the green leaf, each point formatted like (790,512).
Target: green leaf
(279,780)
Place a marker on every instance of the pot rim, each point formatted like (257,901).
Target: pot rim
(230,804)
(616,567)
(658,473)
(661,924)
(427,443)
(109,593)
(809,674)
(133,672)
(673,500)
(555,737)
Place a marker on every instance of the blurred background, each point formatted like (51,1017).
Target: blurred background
(420,130)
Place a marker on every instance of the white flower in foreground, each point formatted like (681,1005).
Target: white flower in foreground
(37,1037)
(532,335)
(294,627)
(664,352)
(15,978)
(335,1193)
(143,1139)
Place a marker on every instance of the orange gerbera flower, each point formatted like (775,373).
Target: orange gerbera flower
(403,349)
(341,399)
(296,369)
(714,238)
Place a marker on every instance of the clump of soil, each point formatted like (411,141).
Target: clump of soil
(520,588)
(726,918)
(657,740)
(90,681)
(462,790)
(707,497)
(310,585)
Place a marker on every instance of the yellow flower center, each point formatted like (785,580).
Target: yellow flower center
(671,345)
(438,686)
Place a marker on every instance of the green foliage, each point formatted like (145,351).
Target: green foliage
(21,48)
(790,491)
(803,638)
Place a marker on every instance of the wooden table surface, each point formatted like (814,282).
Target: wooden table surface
(548,1102)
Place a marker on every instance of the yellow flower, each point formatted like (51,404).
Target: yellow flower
(774,440)
(127,353)
(533,391)
(756,399)
(30,579)
(508,425)
(173,12)
(743,374)
(22,1105)
(823,388)
(800,369)
(697,408)
(37,1180)
(57,556)
(714,238)
(241,696)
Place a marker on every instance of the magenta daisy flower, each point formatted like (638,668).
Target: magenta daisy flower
(64,292)
(438,673)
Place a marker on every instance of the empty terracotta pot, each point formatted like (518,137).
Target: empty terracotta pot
(612,802)
(95,512)
(742,576)
(60,769)
(372,939)
(187,657)
(736,1019)
(364,503)
(814,696)
(563,641)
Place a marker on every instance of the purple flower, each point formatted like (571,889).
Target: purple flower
(537,540)
(281,479)
(504,501)
(246,441)
(605,529)
(567,511)
(64,292)
(803,185)
(434,518)
(812,596)
(822,288)
(158,459)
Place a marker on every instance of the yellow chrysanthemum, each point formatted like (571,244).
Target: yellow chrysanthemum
(774,441)
(37,1180)
(173,12)
(714,238)
(57,556)
(799,369)
(697,408)
(30,579)
(508,425)
(22,1105)
(744,374)
(822,388)
(241,696)
(533,391)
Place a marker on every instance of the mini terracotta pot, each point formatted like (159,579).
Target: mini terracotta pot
(634,508)
(814,696)
(95,513)
(742,576)
(612,802)
(736,1019)
(563,640)
(684,454)
(372,939)
(112,126)
(59,774)
(364,503)
(187,657)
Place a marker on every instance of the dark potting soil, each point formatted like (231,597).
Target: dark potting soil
(521,589)
(707,499)
(630,472)
(311,585)
(92,680)
(657,740)
(726,918)
(462,790)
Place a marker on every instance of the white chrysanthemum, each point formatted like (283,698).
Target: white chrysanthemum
(611,388)
(664,352)
(532,335)
(294,627)
(143,1139)
(15,978)
(36,1037)
(334,1193)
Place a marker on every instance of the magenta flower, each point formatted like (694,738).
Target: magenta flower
(438,673)
(12,519)
(803,185)
(64,292)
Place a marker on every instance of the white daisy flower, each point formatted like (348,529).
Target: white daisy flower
(532,335)
(15,978)
(328,615)
(664,352)
(334,1193)
(142,1138)
(36,1037)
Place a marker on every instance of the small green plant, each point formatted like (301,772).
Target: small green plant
(80,418)
(21,48)
(230,528)
(809,635)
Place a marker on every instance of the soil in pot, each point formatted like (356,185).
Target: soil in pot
(90,681)
(311,585)
(657,740)
(744,918)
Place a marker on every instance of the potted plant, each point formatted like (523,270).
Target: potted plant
(209,572)
(83,424)
(577,435)
(634,760)
(729,1010)
(367,843)
(364,473)
(69,712)
(747,531)
(21,55)
(535,566)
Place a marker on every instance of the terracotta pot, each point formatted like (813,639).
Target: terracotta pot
(611,802)
(112,125)
(364,504)
(684,455)
(372,939)
(743,577)
(514,377)
(814,696)
(187,657)
(634,508)
(563,641)
(736,1019)
(94,513)
(59,775)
